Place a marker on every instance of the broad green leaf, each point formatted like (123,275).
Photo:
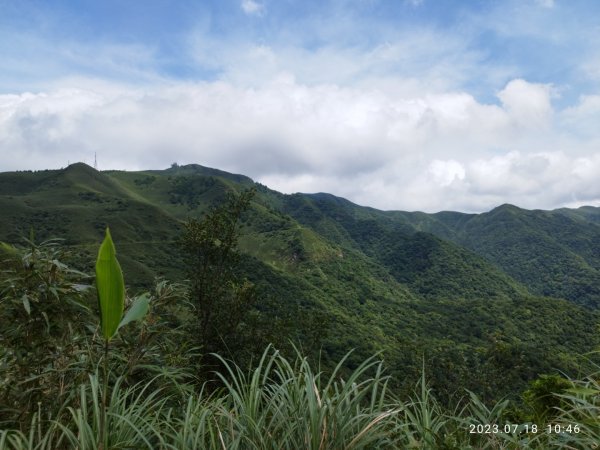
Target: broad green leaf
(110,287)
(137,310)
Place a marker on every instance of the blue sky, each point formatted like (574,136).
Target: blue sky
(399,104)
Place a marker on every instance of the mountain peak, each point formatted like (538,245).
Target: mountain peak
(79,166)
(197,169)
(506,207)
(329,197)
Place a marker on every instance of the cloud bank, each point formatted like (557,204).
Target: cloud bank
(388,150)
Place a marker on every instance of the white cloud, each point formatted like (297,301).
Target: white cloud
(252,7)
(545,3)
(423,60)
(444,173)
(386,149)
(589,105)
(528,103)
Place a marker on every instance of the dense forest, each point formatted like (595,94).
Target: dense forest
(254,319)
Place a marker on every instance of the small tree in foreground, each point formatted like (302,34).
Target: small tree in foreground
(221,301)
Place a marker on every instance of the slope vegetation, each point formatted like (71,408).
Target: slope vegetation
(489,300)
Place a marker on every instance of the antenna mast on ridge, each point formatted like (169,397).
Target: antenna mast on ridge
(95,162)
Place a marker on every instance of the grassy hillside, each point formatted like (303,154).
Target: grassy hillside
(76,204)
(464,292)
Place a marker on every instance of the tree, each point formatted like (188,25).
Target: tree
(222,302)
(543,399)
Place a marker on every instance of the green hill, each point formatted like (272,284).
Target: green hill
(466,292)
(553,253)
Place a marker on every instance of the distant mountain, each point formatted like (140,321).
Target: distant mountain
(553,253)
(490,300)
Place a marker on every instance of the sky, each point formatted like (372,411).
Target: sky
(423,105)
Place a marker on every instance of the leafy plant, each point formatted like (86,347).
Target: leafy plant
(159,347)
(43,345)
(221,302)
(542,397)
(111,298)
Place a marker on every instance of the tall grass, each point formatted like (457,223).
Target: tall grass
(278,405)
(581,408)
(422,421)
(287,404)
(132,420)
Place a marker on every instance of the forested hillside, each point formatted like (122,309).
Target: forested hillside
(554,253)
(469,294)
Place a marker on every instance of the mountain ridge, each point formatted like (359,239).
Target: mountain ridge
(406,283)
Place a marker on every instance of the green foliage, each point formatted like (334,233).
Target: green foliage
(110,287)
(222,304)
(137,310)
(424,418)
(542,397)
(579,406)
(157,347)
(129,421)
(553,253)
(187,190)
(289,404)
(408,284)
(279,403)
(44,308)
